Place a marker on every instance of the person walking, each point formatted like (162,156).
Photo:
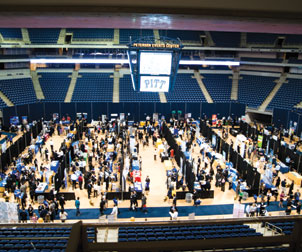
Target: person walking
(77,205)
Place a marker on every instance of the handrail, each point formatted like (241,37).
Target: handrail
(274,228)
(197,222)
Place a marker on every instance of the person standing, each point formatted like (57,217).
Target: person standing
(30,211)
(144,204)
(80,179)
(291,188)
(89,188)
(237,190)
(77,205)
(62,202)
(298,207)
(102,205)
(114,211)
(63,215)
(46,154)
(278,182)
(282,197)
(147,185)
(23,215)
(51,145)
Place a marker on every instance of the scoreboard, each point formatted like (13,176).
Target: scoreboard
(154,66)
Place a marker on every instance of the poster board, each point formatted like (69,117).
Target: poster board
(9,212)
(238,211)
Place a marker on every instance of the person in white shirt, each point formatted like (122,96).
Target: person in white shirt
(114,211)
(63,216)
(174,214)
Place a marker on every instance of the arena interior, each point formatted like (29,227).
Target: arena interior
(150,126)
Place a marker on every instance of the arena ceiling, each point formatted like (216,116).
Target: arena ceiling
(269,16)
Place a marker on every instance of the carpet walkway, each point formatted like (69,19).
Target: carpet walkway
(203,210)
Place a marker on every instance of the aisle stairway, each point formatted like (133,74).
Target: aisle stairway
(270,97)
(6,100)
(243,39)
(37,86)
(162,97)
(209,39)
(116,87)
(116,36)
(74,77)
(156,36)
(202,87)
(235,80)
(61,39)
(106,234)
(25,36)
(299,105)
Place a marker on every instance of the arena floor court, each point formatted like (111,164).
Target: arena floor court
(158,208)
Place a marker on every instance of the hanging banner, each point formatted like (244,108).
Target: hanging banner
(214,120)
(14,120)
(122,116)
(259,142)
(24,120)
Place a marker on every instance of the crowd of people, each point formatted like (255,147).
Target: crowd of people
(98,170)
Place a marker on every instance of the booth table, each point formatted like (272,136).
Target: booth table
(138,187)
(158,142)
(283,168)
(70,135)
(110,148)
(54,166)
(296,177)
(187,155)
(39,142)
(136,176)
(42,187)
(2,185)
(135,165)
(168,165)
(66,122)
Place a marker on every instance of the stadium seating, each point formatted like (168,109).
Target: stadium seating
(48,239)
(219,86)
(127,94)
(91,34)
(164,233)
(186,89)
(261,60)
(125,35)
(292,39)
(19,91)
(2,104)
(11,33)
(289,95)
(44,36)
(261,38)
(93,87)
(182,35)
(54,86)
(252,90)
(226,39)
